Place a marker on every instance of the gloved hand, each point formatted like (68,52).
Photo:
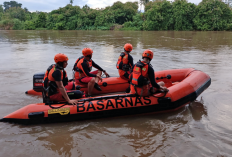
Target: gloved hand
(107,75)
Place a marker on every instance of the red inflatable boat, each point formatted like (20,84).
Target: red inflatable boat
(184,85)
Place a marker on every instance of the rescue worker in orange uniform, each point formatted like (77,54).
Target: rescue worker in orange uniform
(56,81)
(83,74)
(143,78)
(125,62)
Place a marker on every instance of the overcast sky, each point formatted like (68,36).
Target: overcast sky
(49,5)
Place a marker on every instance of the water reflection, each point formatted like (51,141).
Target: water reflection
(140,135)
(198,110)
(57,140)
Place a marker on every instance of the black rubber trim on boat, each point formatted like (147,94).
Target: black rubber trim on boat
(36,115)
(201,89)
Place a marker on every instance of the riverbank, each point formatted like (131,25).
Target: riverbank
(159,15)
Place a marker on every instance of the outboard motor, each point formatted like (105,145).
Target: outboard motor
(38,82)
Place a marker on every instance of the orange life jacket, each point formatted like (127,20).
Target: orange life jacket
(79,71)
(123,62)
(45,84)
(75,65)
(51,81)
(139,76)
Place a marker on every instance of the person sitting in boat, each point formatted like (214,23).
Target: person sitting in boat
(142,78)
(125,62)
(56,81)
(83,74)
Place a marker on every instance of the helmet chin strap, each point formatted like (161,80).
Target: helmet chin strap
(147,60)
(60,65)
(90,56)
(127,51)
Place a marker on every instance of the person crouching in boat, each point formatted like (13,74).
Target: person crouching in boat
(56,81)
(83,74)
(125,62)
(143,78)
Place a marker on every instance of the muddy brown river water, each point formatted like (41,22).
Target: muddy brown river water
(202,128)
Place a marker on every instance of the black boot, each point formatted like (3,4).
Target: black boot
(96,86)
(128,90)
(87,95)
(78,87)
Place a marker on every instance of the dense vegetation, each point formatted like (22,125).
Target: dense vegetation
(158,15)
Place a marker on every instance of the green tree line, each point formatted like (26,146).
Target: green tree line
(209,15)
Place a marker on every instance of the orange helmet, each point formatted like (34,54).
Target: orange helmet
(87,52)
(60,57)
(148,54)
(128,47)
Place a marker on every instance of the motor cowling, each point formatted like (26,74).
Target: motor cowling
(38,81)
